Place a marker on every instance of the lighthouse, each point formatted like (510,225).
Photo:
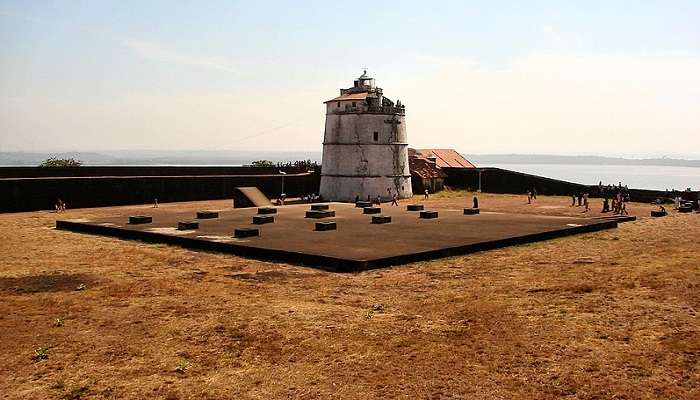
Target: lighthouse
(365,149)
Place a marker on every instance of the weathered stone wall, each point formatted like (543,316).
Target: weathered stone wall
(354,164)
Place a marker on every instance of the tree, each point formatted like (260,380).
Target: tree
(263,163)
(61,162)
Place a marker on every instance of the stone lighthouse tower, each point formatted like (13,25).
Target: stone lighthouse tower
(365,150)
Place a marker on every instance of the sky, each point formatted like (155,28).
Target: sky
(618,78)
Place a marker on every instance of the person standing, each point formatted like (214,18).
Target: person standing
(534,193)
(426,193)
(585,202)
(475,202)
(573,200)
(529,197)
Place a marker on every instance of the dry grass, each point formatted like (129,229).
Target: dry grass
(605,315)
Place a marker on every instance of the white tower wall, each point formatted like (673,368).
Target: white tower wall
(355,164)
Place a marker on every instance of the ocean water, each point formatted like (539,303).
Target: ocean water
(634,176)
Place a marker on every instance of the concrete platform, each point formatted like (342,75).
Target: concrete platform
(357,244)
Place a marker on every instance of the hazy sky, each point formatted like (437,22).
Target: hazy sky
(586,77)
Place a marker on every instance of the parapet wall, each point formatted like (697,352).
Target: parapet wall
(30,194)
(496,180)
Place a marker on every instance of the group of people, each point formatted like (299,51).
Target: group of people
(580,199)
(619,204)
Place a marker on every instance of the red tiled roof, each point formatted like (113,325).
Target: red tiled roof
(349,96)
(425,168)
(446,158)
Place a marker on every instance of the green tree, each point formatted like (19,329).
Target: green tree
(61,162)
(262,163)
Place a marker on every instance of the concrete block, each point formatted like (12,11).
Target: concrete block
(140,219)
(685,209)
(267,210)
(658,213)
(428,214)
(207,214)
(320,214)
(326,226)
(471,211)
(381,219)
(245,232)
(371,210)
(263,219)
(187,225)
(414,207)
(319,207)
(363,204)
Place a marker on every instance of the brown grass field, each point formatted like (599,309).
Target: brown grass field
(605,315)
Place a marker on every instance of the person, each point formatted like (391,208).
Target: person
(579,196)
(475,202)
(573,200)
(282,197)
(623,209)
(606,205)
(393,200)
(426,193)
(585,202)
(529,197)
(155,203)
(58,205)
(662,209)
(357,198)
(534,193)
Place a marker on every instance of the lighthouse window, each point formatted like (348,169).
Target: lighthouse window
(338,104)
(376,136)
(354,104)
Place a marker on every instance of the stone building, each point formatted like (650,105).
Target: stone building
(365,149)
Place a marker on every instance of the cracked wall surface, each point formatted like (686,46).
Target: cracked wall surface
(354,164)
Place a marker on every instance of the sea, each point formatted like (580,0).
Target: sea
(634,176)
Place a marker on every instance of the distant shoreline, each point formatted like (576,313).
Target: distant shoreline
(236,158)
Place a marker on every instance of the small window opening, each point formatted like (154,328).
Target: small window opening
(376,136)
(354,104)
(338,104)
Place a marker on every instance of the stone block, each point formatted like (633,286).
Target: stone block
(381,219)
(363,204)
(658,213)
(320,214)
(140,219)
(267,210)
(187,225)
(207,214)
(263,219)
(414,207)
(371,210)
(319,207)
(245,232)
(326,226)
(428,214)
(471,211)
(685,209)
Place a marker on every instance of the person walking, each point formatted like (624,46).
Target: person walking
(394,201)
(529,197)
(426,193)
(573,200)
